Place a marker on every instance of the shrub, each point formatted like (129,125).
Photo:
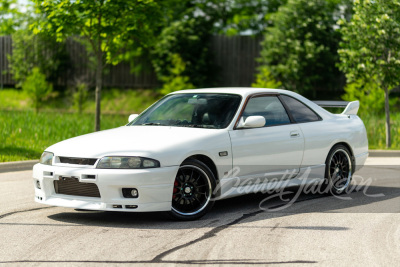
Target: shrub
(371,97)
(37,88)
(190,39)
(80,96)
(176,80)
(264,79)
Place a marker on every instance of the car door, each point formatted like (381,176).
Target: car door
(273,151)
(316,141)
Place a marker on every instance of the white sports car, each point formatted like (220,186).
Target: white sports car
(193,147)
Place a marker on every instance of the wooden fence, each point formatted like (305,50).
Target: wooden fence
(235,58)
(5,49)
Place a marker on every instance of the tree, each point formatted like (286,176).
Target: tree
(371,97)
(111,30)
(37,88)
(243,16)
(189,40)
(300,49)
(9,16)
(370,47)
(235,16)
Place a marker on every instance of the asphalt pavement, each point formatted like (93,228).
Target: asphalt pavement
(358,229)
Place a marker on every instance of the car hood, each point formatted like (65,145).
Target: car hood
(145,141)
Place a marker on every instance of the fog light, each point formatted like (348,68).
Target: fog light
(38,184)
(134,193)
(130,192)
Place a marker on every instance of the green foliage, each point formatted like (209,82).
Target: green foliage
(231,17)
(375,126)
(36,87)
(189,38)
(41,51)
(371,97)
(121,101)
(80,96)
(111,30)
(13,99)
(264,79)
(107,28)
(25,134)
(300,49)
(175,81)
(9,16)
(125,101)
(244,16)
(370,47)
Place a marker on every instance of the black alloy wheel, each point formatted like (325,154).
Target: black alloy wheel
(339,169)
(193,190)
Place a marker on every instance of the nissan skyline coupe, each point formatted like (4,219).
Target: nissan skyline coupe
(194,147)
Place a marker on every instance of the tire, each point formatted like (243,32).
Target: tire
(192,193)
(339,169)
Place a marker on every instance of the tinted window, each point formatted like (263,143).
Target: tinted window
(270,107)
(199,110)
(300,112)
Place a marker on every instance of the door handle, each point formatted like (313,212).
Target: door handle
(294,134)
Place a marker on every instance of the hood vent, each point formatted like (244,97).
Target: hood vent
(78,161)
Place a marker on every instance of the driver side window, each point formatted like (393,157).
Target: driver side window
(270,107)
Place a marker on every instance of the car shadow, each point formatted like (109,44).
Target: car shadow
(252,207)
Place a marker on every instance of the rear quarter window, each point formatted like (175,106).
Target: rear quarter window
(300,112)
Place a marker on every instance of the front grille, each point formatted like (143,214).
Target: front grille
(72,186)
(79,161)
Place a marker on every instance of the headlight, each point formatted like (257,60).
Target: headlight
(127,163)
(46,158)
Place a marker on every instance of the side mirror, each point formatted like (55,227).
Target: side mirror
(132,117)
(252,122)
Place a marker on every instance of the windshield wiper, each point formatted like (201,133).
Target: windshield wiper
(196,126)
(151,123)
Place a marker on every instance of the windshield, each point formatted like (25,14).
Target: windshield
(191,110)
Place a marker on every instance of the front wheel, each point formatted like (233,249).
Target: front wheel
(339,169)
(192,193)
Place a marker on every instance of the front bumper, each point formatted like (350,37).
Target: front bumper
(155,188)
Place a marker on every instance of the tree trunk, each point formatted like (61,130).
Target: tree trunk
(387,115)
(99,71)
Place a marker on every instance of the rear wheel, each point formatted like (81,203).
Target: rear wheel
(192,193)
(339,169)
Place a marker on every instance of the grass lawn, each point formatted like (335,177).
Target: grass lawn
(375,126)
(112,101)
(24,134)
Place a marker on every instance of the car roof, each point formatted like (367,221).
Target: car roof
(243,91)
(247,91)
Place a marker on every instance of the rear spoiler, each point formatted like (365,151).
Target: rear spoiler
(351,108)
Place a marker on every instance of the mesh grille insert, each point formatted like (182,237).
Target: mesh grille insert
(79,161)
(72,186)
